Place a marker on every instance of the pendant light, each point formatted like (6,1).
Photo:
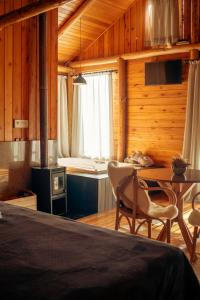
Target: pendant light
(80,80)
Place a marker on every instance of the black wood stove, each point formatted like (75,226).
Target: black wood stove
(49,184)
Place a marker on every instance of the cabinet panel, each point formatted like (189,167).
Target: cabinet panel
(88,194)
(82,194)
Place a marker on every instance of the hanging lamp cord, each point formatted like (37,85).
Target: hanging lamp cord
(80,44)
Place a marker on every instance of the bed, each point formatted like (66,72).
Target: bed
(48,257)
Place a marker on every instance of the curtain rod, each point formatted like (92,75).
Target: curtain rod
(189,61)
(63,75)
(97,72)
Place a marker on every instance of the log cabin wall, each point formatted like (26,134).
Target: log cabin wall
(124,36)
(156,114)
(19,75)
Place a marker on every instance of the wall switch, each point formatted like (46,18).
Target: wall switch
(20,123)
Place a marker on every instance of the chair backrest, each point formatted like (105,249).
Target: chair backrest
(117,174)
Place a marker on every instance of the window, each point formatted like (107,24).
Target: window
(92,117)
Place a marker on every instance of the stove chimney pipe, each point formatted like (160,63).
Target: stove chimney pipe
(43,84)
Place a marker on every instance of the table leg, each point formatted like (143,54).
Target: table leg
(185,232)
(186,235)
(181,190)
(163,233)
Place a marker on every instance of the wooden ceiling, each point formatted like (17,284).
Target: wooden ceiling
(96,18)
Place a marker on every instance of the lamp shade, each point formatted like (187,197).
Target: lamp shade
(79,80)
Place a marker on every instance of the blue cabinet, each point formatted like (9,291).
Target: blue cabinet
(88,194)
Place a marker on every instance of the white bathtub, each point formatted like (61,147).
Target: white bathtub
(83,165)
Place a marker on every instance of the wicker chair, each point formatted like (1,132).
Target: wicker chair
(134,203)
(194,219)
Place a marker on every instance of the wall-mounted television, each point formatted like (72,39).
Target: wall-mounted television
(163,72)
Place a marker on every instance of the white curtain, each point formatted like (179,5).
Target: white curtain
(191,144)
(77,124)
(161,22)
(63,142)
(92,127)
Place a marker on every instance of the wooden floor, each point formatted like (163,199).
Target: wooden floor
(107,220)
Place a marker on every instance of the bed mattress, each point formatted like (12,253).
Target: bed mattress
(48,257)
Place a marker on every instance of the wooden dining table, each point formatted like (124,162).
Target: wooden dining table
(181,185)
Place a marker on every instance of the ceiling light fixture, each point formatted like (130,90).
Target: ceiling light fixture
(80,80)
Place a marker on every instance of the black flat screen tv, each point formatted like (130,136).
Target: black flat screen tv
(163,72)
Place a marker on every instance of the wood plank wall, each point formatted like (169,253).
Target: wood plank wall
(155,115)
(19,75)
(124,36)
(127,33)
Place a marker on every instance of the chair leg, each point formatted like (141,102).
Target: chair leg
(168,225)
(117,219)
(149,228)
(194,242)
(132,229)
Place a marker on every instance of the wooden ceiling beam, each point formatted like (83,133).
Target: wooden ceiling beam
(94,62)
(135,55)
(75,16)
(30,10)
(64,70)
(158,52)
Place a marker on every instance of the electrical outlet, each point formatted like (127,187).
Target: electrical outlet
(20,123)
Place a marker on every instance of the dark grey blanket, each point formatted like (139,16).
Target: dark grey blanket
(44,257)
